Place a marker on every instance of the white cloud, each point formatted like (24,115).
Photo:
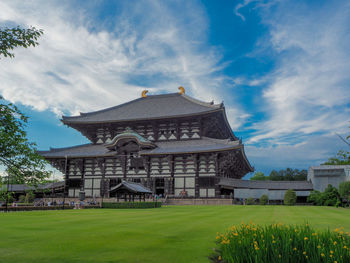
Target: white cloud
(309,90)
(76,69)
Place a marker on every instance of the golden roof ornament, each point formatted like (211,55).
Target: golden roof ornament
(182,90)
(143,94)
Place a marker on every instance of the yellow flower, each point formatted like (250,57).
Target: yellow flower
(335,261)
(345,246)
(330,256)
(335,242)
(219,258)
(306,256)
(273,241)
(295,249)
(306,238)
(332,251)
(217,237)
(322,255)
(318,246)
(279,256)
(304,252)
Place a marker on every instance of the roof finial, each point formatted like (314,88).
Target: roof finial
(143,94)
(182,90)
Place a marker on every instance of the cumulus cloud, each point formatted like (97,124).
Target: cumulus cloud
(82,66)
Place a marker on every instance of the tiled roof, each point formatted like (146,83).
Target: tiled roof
(166,147)
(24,187)
(192,146)
(132,187)
(85,150)
(150,107)
(272,185)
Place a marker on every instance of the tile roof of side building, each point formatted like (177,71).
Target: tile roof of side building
(272,185)
(150,107)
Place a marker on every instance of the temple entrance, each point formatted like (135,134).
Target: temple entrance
(159,186)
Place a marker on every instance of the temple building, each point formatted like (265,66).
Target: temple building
(173,144)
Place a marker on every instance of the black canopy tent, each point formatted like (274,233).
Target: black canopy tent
(128,190)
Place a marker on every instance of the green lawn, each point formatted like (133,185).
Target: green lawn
(167,234)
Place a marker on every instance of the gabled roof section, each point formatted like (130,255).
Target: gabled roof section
(130,134)
(131,187)
(150,107)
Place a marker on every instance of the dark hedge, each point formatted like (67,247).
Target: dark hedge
(132,205)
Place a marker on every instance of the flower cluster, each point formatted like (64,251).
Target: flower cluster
(282,243)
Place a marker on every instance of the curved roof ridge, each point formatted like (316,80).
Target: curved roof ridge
(202,103)
(99,111)
(52,149)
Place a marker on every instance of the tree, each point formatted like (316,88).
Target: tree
(258,176)
(11,38)
(17,154)
(344,191)
(331,196)
(342,157)
(290,197)
(264,199)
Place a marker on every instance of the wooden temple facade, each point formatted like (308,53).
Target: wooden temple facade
(173,144)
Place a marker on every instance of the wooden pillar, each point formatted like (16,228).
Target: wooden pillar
(196,181)
(217,174)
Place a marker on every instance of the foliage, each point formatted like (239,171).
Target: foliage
(315,198)
(259,176)
(132,205)
(30,196)
(281,243)
(288,174)
(330,197)
(17,37)
(30,207)
(264,199)
(6,197)
(344,190)
(23,164)
(342,158)
(22,199)
(250,201)
(290,197)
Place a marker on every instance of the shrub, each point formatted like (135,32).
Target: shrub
(22,199)
(250,201)
(330,196)
(30,196)
(290,197)
(132,205)
(281,243)
(344,191)
(264,200)
(315,198)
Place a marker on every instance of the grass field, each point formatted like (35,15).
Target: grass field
(167,234)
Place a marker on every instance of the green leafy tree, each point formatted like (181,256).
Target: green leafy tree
(11,38)
(344,191)
(17,154)
(290,197)
(315,198)
(264,199)
(331,196)
(258,176)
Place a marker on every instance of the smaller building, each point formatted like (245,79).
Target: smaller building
(323,175)
(275,190)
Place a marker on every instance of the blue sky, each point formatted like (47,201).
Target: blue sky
(281,67)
